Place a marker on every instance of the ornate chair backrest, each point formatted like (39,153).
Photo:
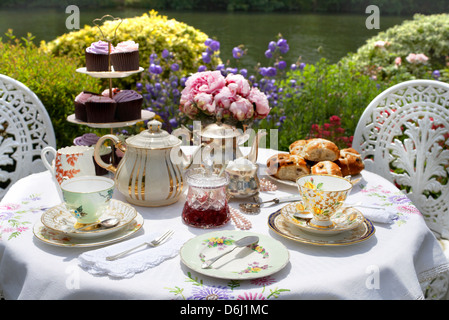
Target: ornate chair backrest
(25,129)
(403,135)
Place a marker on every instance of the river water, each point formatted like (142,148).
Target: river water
(335,35)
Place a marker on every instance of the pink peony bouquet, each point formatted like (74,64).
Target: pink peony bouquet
(209,94)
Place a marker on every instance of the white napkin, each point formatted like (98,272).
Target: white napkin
(381,215)
(141,259)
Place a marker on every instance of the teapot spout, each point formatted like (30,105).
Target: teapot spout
(254,152)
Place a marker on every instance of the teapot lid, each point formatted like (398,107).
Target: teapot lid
(221,131)
(153,138)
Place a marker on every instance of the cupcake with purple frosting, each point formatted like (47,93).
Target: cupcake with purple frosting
(129,105)
(100,109)
(80,105)
(90,140)
(97,56)
(126,56)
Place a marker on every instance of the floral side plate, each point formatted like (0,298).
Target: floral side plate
(279,224)
(345,219)
(59,219)
(60,239)
(258,260)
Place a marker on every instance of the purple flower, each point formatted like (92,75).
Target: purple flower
(272,46)
(211,293)
(155,68)
(284,49)
(215,45)
(139,86)
(436,74)
(244,72)
(165,54)
(268,54)
(153,57)
(281,42)
(302,65)
(202,68)
(6,215)
(208,42)
(293,66)
(173,122)
(281,65)
(271,72)
(237,53)
(174,67)
(206,57)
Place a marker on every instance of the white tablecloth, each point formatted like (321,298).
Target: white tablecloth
(390,265)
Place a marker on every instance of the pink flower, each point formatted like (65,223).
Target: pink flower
(225,97)
(189,109)
(398,61)
(238,84)
(261,102)
(209,82)
(417,58)
(205,102)
(242,109)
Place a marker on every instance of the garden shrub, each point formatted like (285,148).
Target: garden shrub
(52,79)
(152,31)
(326,90)
(388,54)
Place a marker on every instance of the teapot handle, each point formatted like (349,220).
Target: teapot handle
(108,166)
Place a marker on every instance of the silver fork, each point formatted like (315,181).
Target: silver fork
(153,243)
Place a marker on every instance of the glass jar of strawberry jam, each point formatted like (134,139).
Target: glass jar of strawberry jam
(206,204)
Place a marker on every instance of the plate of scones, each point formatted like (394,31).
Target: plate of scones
(314,156)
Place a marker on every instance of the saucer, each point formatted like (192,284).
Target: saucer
(279,224)
(59,239)
(59,219)
(343,220)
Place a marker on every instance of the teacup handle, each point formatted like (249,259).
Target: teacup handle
(47,165)
(108,166)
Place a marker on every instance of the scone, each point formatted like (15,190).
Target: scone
(286,166)
(350,162)
(327,167)
(318,149)
(297,147)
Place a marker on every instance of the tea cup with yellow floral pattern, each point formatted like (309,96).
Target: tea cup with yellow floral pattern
(323,195)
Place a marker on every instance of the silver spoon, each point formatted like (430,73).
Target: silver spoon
(249,207)
(243,242)
(105,224)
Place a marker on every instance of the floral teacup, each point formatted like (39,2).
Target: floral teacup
(323,196)
(86,197)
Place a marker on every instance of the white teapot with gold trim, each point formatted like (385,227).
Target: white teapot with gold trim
(151,171)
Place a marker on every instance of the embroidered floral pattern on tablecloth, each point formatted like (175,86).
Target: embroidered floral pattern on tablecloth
(389,199)
(202,291)
(13,216)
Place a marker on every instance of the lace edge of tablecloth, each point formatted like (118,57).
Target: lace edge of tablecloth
(433,273)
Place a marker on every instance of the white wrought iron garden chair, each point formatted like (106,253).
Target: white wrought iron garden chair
(403,135)
(25,129)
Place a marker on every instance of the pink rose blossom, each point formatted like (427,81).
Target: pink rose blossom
(241,109)
(189,109)
(417,58)
(225,97)
(209,82)
(261,102)
(205,102)
(238,84)
(211,93)
(398,61)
